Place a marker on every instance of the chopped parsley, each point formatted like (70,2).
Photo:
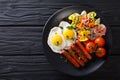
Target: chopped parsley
(70,27)
(57,43)
(68,53)
(73,39)
(81,53)
(61,27)
(67,36)
(72,52)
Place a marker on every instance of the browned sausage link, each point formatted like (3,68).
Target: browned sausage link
(77,50)
(84,58)
(70,59)
(83,49)
(80,53)
(73,46)
(75,57)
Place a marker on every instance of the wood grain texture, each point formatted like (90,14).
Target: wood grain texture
(20,40)
(36,12)
(38,68)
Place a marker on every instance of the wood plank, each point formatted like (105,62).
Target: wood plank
(20,40)
(34,12)
(25,40)
(20,67)
(116,40)
(13,64)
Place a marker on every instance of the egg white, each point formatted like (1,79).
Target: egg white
(56,49)
(70,41)
(64,25)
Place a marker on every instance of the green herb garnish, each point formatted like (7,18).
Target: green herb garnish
(72,52)
(81,53)
(67,37)
(57,43)
(73,39)
(69,53)
(61,27)
(70,27)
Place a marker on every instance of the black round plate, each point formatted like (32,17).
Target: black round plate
(55,59)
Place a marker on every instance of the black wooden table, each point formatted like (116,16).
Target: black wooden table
(21,53)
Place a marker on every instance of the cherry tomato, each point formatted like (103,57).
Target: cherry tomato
(100,41)
(85,42)
(90,47)
(100,52)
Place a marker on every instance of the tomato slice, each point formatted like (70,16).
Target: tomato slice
(100,52)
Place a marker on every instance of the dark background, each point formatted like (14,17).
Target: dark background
(21,26)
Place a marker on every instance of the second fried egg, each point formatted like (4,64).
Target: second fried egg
(68,32)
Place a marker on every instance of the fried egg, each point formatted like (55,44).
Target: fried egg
(68,32)
(56,40)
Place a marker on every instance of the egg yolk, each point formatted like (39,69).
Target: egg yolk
(56,39)
(68,34)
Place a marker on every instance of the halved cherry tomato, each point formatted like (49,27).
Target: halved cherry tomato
(90,47)
(100,52)
(100,41)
